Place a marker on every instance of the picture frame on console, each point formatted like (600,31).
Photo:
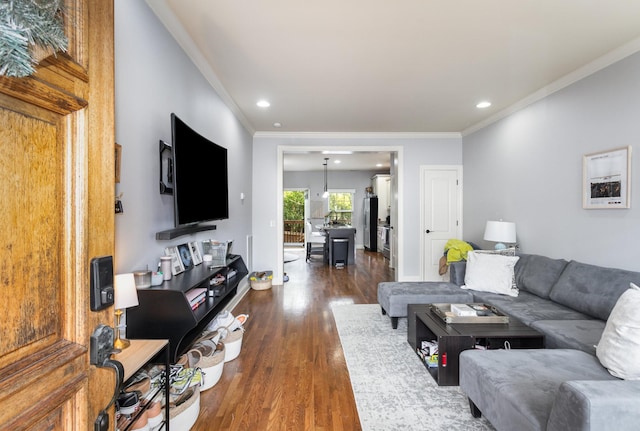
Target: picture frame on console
(185,255)
(606,179)
(177,266)
(196,257)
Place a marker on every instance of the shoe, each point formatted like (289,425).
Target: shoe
(141,423)
(141,384)
(127,403)
(238,322)
(155,414)
(223,319)
(184,378)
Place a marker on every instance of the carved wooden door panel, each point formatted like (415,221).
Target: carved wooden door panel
(57,179)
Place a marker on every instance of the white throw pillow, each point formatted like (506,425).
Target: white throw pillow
(490,273)
(619,346)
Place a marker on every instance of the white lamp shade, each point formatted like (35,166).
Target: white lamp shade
(500,231)
(126,295)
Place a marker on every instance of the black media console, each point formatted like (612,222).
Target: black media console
(164,311)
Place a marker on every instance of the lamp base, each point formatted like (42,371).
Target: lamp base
(500,246)
(121,343)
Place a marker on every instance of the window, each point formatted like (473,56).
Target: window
(340,206)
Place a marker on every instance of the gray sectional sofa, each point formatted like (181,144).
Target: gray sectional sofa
(563,387)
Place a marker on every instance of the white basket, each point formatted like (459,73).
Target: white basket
(184,420)
(233,345)
(212,375)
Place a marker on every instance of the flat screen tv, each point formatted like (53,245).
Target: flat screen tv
(200,182)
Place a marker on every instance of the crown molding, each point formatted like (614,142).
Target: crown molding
(356,135)
(596,65)
(166,16)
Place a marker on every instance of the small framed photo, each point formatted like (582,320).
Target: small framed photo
(196,257)
(176,263)
(185,255)
(607,179)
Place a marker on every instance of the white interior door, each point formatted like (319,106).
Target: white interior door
(441,214)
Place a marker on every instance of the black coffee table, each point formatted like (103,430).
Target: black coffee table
(453,338)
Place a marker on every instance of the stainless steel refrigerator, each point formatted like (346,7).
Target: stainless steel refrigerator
(371,224)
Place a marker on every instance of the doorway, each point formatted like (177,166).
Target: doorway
(392,153)
(294,209)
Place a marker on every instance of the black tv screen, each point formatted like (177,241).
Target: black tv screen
(200,184)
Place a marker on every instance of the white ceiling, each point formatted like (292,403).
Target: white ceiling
(358,161)
(403,66)
(417,66)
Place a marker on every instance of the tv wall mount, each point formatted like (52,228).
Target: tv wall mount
(166,169)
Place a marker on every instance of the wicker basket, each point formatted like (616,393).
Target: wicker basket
(182,417)
(261,280)
(233,344)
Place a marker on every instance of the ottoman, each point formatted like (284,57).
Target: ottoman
(394,296)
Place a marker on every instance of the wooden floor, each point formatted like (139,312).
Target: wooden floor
(291,373)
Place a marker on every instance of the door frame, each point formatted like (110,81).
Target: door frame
(459,203)
(398,150)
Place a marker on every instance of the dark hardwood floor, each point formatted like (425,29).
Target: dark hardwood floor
(291,373)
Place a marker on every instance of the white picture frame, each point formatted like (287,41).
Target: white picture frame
(176,263)
(196,256)
(607,179)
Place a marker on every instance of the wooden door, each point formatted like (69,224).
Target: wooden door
(57,200)
(441,209)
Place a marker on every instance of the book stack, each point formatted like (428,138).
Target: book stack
(196,296)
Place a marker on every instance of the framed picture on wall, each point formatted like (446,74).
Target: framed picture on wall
(196,257)
(176,263)
(607,179)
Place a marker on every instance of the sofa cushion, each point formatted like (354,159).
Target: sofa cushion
(571,334)
(515,389)
(490,273)
(538,274)
(619,347)
(528,307)
(591,289)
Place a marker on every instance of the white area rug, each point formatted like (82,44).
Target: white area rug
(393,390)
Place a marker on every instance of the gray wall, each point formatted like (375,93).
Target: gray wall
(416,151)
(527,169)
(154,78)
(314,181)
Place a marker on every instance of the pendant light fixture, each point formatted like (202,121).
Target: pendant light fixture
(326,190)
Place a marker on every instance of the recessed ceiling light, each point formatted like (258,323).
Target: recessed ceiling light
(277,124)
(378,165)
(337,161)
(263,103)
(483,104)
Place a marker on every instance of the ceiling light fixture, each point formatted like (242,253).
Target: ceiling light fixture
(263,103)
(483,104)
(337,161)
(277,125)
(326,190)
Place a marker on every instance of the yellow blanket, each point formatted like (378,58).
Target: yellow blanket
(456,250)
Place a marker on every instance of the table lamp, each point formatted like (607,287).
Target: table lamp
(500,232)
(126,296)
